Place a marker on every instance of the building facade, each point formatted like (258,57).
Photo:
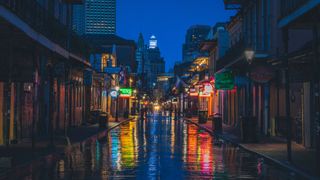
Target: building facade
(194,36)
(154,63)
(141,48)
(42,87)
(114,61)
(95,17)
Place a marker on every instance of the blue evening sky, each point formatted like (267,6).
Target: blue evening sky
(168,20)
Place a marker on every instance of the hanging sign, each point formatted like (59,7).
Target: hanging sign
(207,89)
(193,92)
(125,92)
(262,74)
(114,93)
(224,80)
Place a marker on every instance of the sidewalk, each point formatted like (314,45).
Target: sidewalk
(271,148)
(21,158)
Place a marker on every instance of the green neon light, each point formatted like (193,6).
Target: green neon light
(224,80)
(126,91)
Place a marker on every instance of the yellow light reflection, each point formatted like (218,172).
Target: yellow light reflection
(173,142)
(127,145)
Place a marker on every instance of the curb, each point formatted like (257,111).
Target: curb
(270,159)
(27,168)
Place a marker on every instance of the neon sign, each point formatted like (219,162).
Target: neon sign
(125,92)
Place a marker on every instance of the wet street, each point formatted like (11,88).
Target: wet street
(160,148)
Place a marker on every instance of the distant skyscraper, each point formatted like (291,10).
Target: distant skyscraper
(140,52)
(195,35)
(149,57)
(153,43)
(155,64)
(95,17)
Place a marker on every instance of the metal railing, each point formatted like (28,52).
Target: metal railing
(232,54)
(38,18)
(289,6)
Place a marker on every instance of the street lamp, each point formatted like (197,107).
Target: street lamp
(250,123)
(117,103)
(249,55)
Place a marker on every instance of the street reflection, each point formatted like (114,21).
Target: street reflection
(159,148)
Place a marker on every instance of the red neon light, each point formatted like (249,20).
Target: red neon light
(204,95)
(125,96)
(194,94)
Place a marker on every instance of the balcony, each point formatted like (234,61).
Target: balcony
(291,10)
(234,54)
(41,21)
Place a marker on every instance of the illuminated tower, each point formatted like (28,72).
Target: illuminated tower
(153,43)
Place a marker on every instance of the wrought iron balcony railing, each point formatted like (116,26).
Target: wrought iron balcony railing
(38,18)
(231,55)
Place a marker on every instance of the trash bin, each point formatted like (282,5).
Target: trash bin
(203,117)
(217,122)
(249,129)
(103,120)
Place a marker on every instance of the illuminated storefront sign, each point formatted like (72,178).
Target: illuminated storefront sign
(202,94)
(113,93)
(206,90)
(224,80)
(193,92)
(125,92)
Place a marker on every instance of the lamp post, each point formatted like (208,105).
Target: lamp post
(249,55)
(250,123)
(184,101)
(117,103)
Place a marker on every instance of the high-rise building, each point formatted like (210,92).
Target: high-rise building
(153,42)
(78,23)
(149,60)
(140,52)
(195,35)
(95,17)
(154,63)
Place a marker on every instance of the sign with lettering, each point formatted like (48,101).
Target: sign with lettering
(224,80)
(125,92)
(193,92)
(262,74)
